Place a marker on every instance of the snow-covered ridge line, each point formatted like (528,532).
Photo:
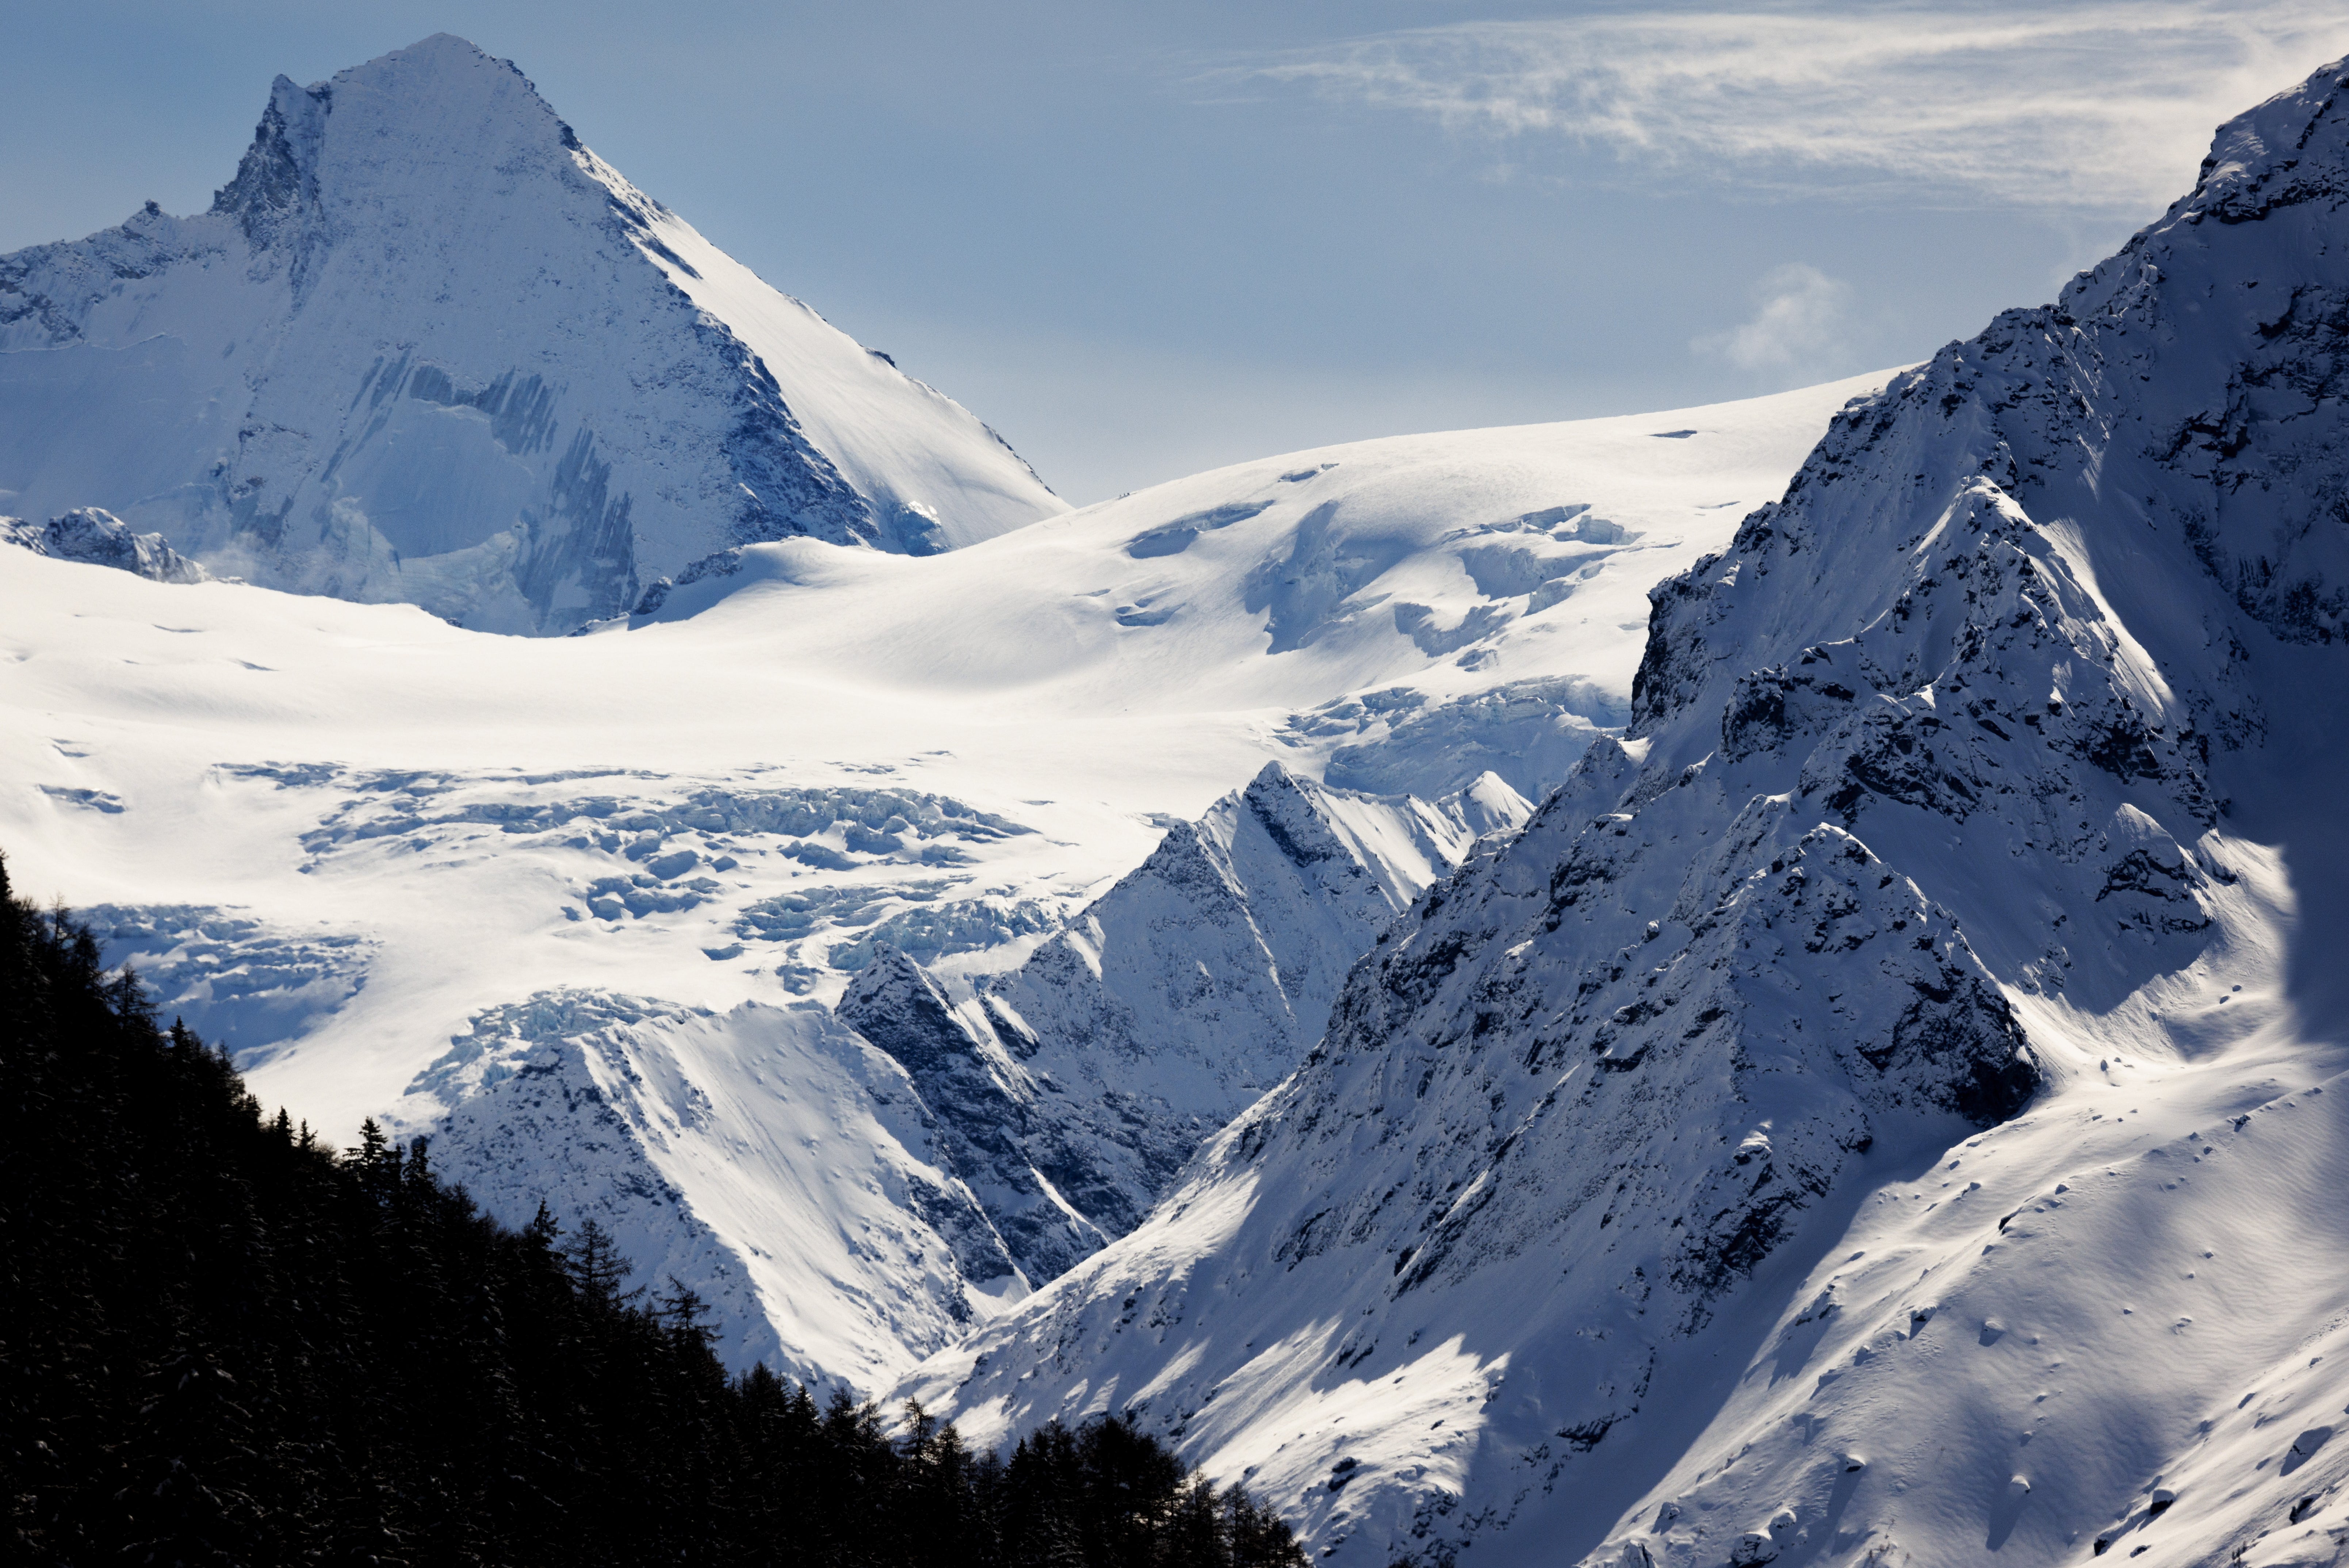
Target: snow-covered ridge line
(98,538)
(941,1160)
(687,1133)
(427,346)
(1685,1183)
(1076,1086)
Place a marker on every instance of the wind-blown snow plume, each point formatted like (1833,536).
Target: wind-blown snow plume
(1798,320)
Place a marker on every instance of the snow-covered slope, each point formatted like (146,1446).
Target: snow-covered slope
(1205,976)
(341,837)
(1404,614)
(427,346)
(764,1156)
(1077,1085)
(1878,1110)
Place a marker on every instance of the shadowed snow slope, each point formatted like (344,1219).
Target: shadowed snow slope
(406,868)
(766,1157)
(426,347)
(1078,1083)
(1880,1110)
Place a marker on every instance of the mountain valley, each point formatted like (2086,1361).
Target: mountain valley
(1755,984)
(578,908)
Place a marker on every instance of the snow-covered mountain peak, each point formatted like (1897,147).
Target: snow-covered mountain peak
(474,125)
(1971,836)
(2293,147)
(277,180)
(2198,367)
(428,346)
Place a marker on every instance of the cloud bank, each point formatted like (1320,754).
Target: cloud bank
(2103,106)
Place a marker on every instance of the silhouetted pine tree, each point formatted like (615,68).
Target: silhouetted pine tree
(223,1342)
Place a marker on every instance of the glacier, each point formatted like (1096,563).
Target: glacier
(426,347)
(1875,1110)
(394,863)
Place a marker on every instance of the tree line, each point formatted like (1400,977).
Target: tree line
(225,1341)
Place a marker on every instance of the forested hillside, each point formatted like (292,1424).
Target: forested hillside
(226,1341)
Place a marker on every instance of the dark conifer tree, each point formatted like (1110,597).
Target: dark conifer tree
(223,1342)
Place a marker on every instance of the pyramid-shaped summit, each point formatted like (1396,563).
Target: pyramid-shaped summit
(427,346)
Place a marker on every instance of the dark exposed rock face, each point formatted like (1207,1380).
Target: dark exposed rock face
(1037,1176)
(1072,1089)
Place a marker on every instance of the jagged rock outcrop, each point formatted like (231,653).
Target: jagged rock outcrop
(1920,813)
(98,538)
(427,346)
(1075,1087)
(1033,1170)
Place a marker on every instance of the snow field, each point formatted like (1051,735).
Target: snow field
(349,834)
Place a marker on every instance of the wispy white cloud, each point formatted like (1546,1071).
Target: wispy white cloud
(2105,104)
(1797,322)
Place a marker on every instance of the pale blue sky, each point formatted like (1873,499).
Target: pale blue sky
(1143,240)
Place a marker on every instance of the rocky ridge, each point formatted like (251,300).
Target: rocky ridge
(1075,1086)
(852,1192)
(765,1157)
(1923,809)
(98,538)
